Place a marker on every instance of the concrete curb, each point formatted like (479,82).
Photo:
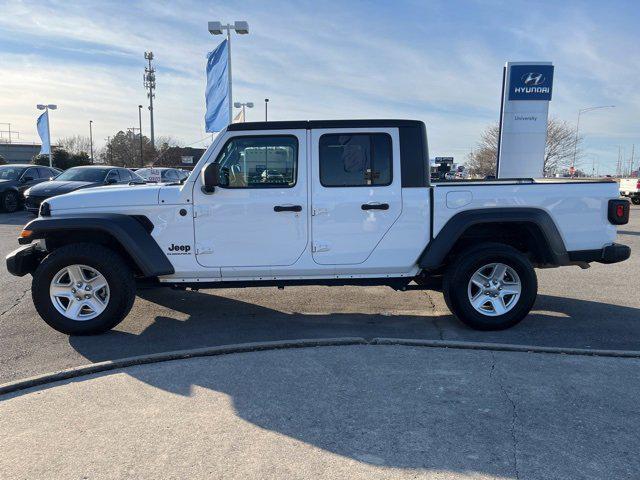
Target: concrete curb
(100,367)
(505,347)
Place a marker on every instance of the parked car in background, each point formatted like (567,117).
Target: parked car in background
(162,174)
(76,178)
(630,187)
(15,179)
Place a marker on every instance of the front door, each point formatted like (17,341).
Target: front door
(356,192)
(258,216)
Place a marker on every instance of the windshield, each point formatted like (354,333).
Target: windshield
(10,173)
(80,174)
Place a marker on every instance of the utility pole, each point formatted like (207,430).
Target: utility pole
(266,109)
(633,147)
(150,83)
(140,130)
(91,138)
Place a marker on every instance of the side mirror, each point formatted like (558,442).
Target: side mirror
(210,177)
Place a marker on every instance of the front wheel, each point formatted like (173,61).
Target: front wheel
(83,289)
(10,201)
(635,200)
(491,287)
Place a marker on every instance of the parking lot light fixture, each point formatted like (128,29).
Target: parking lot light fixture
(243,105)
(575,144)
(241,27)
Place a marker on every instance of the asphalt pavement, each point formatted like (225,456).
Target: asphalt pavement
(597,308)
(358,411)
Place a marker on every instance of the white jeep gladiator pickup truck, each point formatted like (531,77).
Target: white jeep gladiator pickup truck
(315,203)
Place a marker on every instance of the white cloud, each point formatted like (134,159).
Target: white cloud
(308,63)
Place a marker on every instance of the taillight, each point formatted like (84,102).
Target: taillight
(638,185)
(618,212)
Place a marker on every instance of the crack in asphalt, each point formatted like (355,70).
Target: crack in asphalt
(514,414)
(16,302)
(432,307)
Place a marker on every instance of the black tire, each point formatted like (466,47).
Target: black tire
(635,200)
(119,276)
(458,276)
(10,201)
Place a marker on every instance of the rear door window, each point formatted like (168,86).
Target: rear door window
(355,160)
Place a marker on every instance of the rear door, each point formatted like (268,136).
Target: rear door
(356,192)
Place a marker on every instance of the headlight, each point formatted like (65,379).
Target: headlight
(45,209)
(26,192)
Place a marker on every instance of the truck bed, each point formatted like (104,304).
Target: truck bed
(578,207)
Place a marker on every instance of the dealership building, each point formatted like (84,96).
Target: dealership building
(19,152)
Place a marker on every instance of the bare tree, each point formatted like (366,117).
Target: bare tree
(559,150)
(75,144)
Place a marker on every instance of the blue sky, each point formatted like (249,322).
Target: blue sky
(438,61)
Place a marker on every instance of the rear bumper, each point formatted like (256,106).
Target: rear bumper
(23,260)
(613,253)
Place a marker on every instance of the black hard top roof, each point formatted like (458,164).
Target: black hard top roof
(307,124)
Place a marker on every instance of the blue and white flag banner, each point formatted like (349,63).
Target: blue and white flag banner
(43,131)
(217,93)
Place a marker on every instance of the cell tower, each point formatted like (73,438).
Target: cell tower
(150,83)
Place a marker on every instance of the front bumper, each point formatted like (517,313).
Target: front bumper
(613,253)
(23,260)
(32,204)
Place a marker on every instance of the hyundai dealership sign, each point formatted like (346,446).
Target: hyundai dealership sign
(526,92)
(530,82)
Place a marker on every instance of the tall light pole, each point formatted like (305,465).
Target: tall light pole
(241,28)
(91,138)
(140,131)
(150,83)
(243,105)
(266,108)
(575,145)
(46,108)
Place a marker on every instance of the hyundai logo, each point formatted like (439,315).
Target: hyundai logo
(533,79)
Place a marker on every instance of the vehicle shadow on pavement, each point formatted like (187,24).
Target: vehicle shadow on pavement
(17,218)
(213,321)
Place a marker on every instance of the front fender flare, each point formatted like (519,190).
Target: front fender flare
(129,232)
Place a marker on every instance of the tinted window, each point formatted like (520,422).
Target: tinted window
(45,173)
(125,175)
(259,162)
(31,172)
(113,174)
(10,173)
(83,174)
(353,160)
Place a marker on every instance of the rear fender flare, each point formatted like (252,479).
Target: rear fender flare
(435,253)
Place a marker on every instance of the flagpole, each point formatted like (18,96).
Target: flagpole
(229,73)
(49,137)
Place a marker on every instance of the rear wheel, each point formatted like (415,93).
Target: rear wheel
(491,287)
(635,200)
(83,289)
(10,201)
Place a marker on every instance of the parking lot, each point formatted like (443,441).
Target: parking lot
(597,309)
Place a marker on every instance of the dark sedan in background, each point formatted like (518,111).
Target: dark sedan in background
(15,179)
(76,178)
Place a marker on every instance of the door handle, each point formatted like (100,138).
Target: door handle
(375,206)
(287,208)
